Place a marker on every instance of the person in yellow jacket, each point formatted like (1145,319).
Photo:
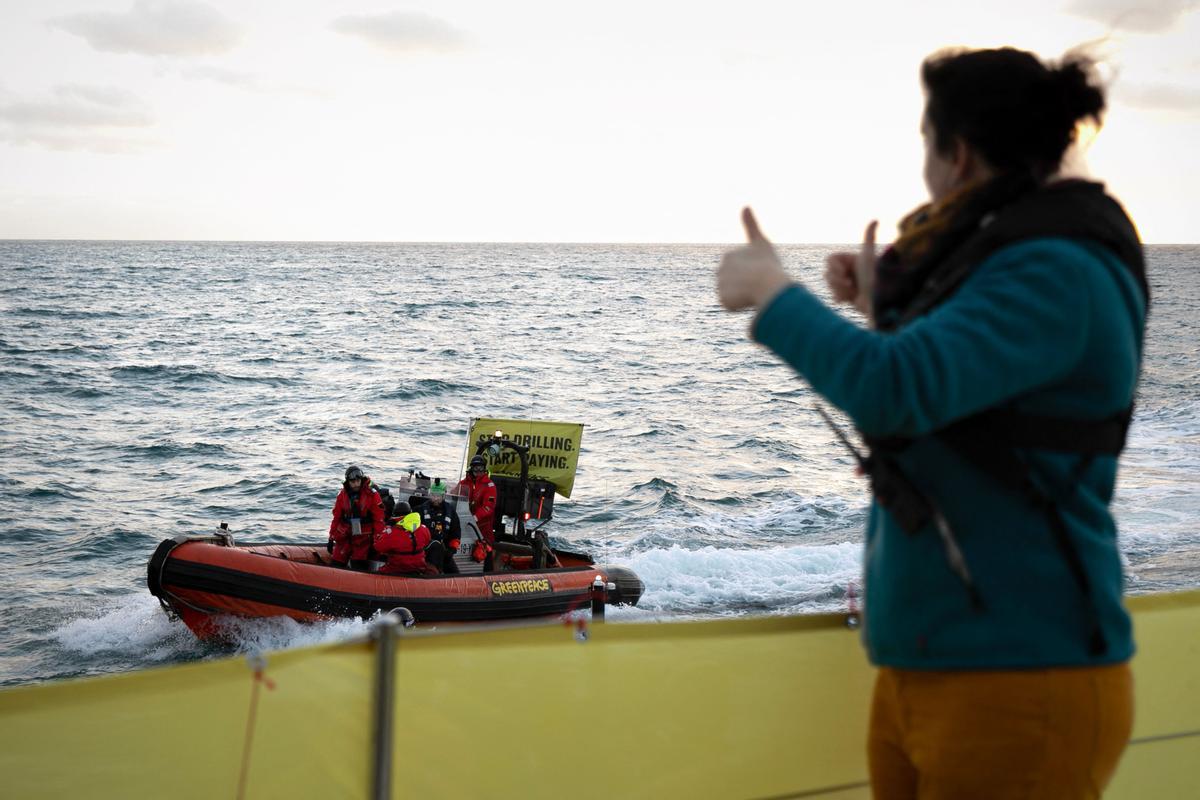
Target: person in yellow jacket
(404,543)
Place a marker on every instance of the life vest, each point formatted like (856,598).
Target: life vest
(403,546)
(409,525)
(351,511)
(438,522)
(1007,212)
(413,547)
(353,499)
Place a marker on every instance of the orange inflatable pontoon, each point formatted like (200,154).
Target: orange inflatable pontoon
(202,580)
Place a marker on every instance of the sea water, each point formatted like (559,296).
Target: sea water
(153,389)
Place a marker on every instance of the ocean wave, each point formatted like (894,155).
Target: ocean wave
(340,358)
(184,376)
(165,451)
(427,387)
(621,527)
(791,451)
(52,491)
(86,393)
(60,312)
(436,302)
(282,488)
(661,485)
(79,540)
(55,350)
(711,580)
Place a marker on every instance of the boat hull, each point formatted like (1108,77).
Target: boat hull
(206,581)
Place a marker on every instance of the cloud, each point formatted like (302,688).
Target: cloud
(1138,16)
(228,77)
(76,117)
(403,32)
(1160,97)
(155,28)
(246,81)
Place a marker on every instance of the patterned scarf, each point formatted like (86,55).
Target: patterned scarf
(930,233)
(927,222)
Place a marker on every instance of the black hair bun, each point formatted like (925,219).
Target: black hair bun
(1077,90)
(1015,110)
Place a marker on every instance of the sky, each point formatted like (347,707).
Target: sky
(472,120)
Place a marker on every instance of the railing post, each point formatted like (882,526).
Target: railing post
(599,597)
(384,634)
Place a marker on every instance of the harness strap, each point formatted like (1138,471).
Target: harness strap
(992,454)
(351,506)
(1008,428)
(911,509)
(412,538)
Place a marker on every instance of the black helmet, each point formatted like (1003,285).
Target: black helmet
(402,510)
(353,473)
(478,461)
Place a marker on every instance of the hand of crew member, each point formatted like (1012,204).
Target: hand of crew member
(751,275)
(851,276)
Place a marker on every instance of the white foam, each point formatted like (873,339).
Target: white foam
(791,514)
(279,633)
(714,580)
(134,624)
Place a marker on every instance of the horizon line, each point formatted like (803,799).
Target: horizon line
(881,244)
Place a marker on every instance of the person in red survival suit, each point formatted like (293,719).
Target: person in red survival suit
(481,496)
(403,543)
(357,519)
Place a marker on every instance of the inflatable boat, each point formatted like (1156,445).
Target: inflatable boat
(205,580)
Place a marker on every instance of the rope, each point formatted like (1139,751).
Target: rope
(257,663)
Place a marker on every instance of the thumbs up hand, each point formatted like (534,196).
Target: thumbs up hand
(750,275)
(851,276)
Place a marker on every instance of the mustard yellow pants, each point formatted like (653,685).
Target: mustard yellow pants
(1043,734)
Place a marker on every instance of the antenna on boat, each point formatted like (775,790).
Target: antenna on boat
(467,443)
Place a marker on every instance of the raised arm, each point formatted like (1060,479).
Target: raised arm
(1018,323)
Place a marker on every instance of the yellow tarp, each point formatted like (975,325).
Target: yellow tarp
(743,708)
(553,449)
(180,732)
(1163,760)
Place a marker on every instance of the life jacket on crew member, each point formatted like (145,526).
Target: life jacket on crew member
(481,495)
(1008,209)
(403,543)
(441,519)
(357,518)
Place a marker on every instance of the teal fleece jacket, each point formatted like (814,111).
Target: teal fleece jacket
(1050,326)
